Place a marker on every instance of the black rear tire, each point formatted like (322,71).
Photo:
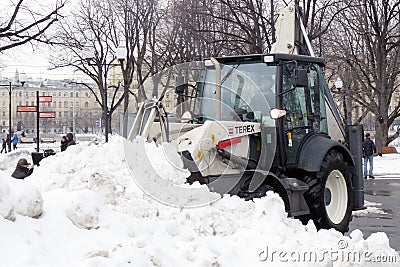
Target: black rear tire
(330,196)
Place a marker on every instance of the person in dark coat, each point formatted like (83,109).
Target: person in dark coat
(23,169)
(8,141)
(64,143)
(369,149)
(70,140)
(4,146)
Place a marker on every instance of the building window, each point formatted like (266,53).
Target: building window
(59,114)
(32,104)
(59,104)
(54,93)
(77,104)
(86,104)
(65,104)
(65,114)
(20,93)
(4,93)
(86,94)
(65,94)
(4,113)
(32,93)
(76,94)
(43,93)
(4,104)
(72,94)
(49,104)
(26,93)
(27,103)
(59,93)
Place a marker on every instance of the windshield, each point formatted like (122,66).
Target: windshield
(248,87)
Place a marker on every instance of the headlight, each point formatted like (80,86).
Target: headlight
(277,113)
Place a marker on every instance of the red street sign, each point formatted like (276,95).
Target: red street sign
(26,108)
(47,114)
(43,99)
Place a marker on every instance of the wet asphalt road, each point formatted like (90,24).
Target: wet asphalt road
(386,192)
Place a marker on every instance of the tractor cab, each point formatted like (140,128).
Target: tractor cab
(284,93)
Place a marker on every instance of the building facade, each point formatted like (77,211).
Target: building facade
(68,99)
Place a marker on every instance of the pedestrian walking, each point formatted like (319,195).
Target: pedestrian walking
(8,141)
(369,149)
(4,146)
(15,141)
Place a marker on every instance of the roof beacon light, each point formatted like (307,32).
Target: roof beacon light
(269,59)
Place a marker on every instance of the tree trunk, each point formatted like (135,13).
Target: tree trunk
(381,135)
(126,114)
(109,122)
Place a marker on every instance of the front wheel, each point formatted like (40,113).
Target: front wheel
(330,196)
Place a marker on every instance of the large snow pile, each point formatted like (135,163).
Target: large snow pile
(83,208)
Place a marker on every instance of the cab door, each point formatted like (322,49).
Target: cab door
(304,105)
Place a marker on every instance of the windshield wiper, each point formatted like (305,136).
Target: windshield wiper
(229,73)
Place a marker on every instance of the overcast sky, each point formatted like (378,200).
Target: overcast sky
(31,60)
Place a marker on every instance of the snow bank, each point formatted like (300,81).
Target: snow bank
(6,205)
(27,198)
(95,213)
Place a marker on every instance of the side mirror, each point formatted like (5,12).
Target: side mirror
(180,86)
(301,78)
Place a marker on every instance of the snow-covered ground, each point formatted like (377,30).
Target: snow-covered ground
(85,207)
(387,166)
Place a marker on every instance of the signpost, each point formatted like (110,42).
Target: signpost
(44,99)
(26,108)
(45,114)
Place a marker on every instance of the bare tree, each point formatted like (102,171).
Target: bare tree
(20,24)
(231,27)
(87,42)
(369,40)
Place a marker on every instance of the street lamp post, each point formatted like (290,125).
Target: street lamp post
(105,105)
(9,117)
(73,113)
(346,110)
(120,53)
(9,86)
